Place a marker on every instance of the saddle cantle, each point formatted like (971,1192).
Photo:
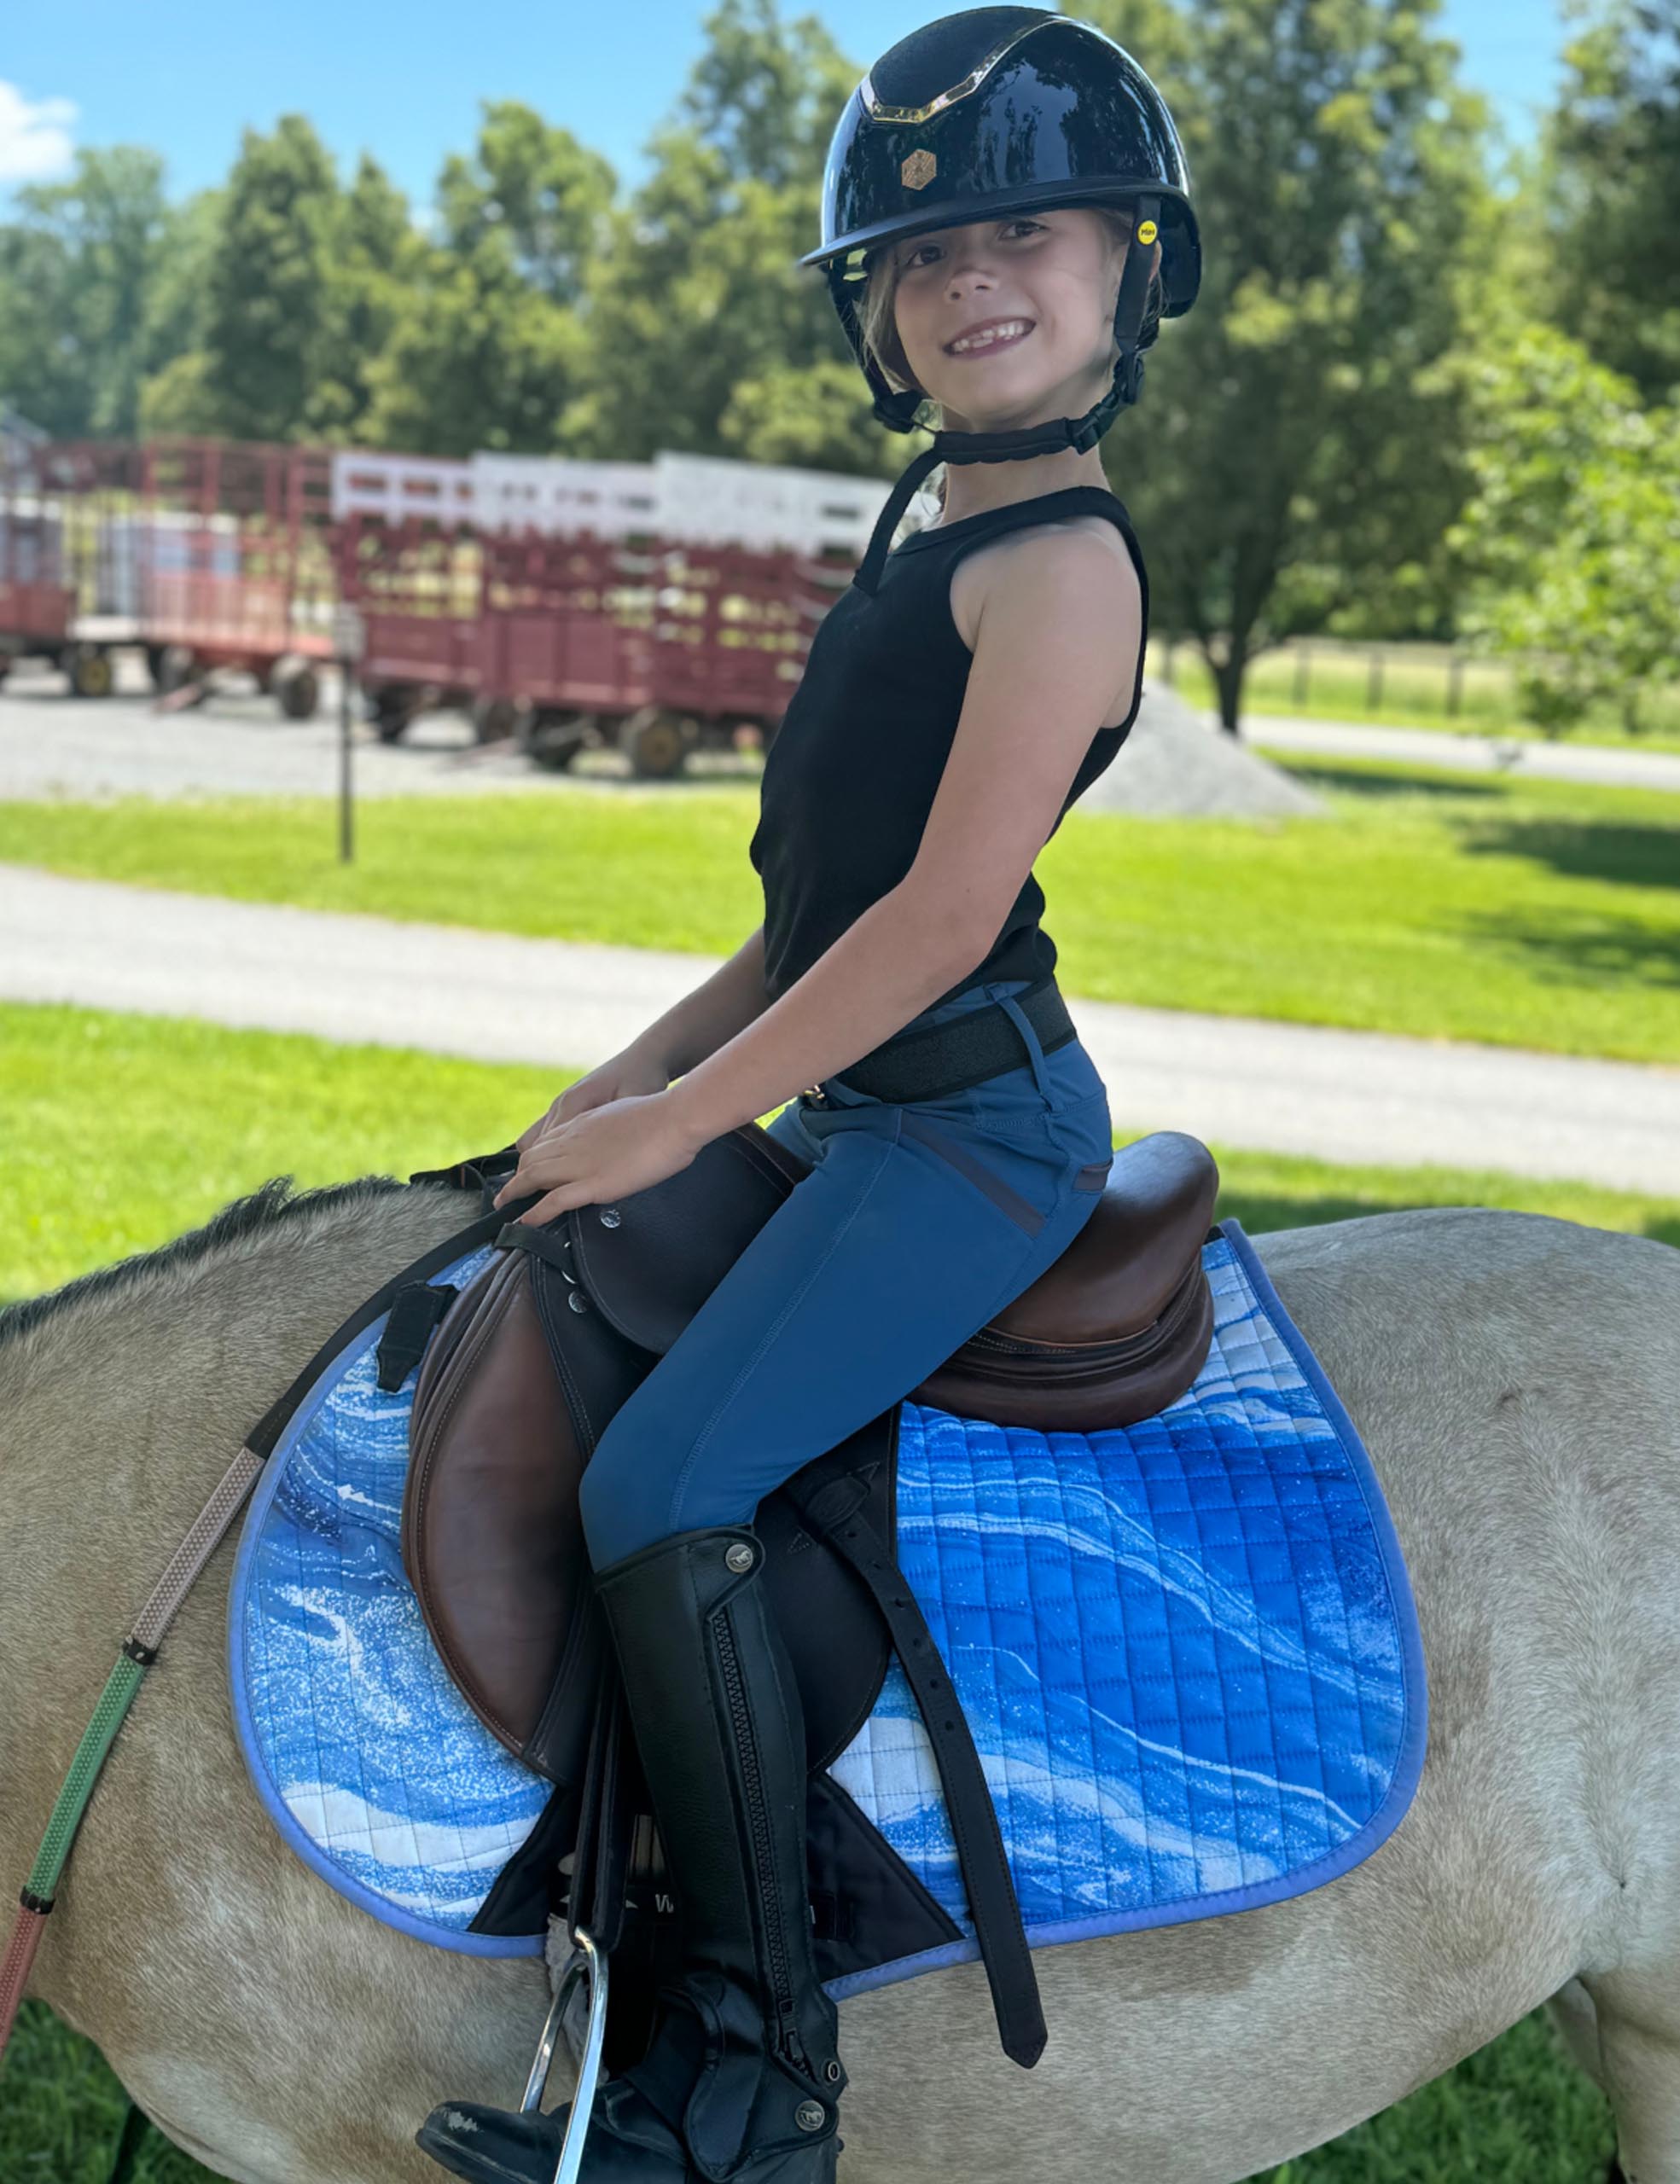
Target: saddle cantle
(1118,1326)
(534,1357)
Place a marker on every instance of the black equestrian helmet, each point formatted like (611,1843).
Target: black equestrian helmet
(994,111)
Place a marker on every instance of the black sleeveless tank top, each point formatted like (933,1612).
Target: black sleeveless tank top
(851,776)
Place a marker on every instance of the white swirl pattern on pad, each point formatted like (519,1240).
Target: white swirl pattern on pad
(1176,1644)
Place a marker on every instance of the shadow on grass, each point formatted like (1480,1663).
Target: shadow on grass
(1588,950)
(1374,786)
(1629,857)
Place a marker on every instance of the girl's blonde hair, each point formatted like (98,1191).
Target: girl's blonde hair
(878,326)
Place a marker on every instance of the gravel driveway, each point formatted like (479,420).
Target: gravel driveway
(237,744)
(1352,1096)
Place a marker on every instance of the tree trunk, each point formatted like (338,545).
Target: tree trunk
(1228,675)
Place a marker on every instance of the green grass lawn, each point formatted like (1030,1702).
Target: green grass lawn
(1414,694)
(121,1131)
(1541,913)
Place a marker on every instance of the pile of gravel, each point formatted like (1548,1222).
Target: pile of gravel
(1178,763)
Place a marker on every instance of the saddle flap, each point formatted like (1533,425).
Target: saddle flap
(491,1540)
(511,1397)
(651,1261)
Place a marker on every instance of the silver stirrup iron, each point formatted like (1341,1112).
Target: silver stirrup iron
(585,1962)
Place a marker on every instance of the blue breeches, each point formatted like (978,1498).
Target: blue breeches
(915,1226)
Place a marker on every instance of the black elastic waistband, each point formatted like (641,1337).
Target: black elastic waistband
(945,1058)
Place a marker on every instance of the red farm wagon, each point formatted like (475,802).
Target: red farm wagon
(658,607)
(563,603)
(206,554)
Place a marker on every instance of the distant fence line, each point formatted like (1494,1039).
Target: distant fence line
(1439,678)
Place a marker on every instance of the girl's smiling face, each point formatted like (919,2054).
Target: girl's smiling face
(1009,321)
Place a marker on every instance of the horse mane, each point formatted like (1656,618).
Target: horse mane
(272,1206)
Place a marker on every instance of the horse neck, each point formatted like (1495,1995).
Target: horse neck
(120,1413)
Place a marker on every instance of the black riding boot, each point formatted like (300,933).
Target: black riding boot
(741,2078)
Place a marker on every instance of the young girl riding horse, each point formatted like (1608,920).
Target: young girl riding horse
(1005,222)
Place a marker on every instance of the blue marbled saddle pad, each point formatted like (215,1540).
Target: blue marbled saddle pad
(371,1763)
(1187,1649)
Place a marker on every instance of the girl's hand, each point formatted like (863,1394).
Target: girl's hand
(606,1153)
(619,1078)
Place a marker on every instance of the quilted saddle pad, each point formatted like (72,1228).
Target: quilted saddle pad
(371,1763)
(1186,1648)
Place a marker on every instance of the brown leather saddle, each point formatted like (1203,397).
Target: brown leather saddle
(532,1359)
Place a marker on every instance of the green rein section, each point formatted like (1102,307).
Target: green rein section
(114,1701)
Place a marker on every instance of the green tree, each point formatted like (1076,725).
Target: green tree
(1614,163)
(478,360)
(536,187)
(766,94)
(375,259)
(1298,450)
(1569,543)
(705,334)
(81,267)
(267,316)
(487,347)
(175,398)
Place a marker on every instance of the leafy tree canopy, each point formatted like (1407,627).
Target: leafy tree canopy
(1613,181)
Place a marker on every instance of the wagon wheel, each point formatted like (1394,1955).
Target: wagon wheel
(552,740)
(92,673)
(556,757)
(498,720)
(174,667)
(654,744)
(299,692)
(390,706)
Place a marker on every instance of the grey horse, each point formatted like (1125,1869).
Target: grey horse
(1517,1382)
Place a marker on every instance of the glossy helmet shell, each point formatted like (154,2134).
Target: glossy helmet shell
(994,111)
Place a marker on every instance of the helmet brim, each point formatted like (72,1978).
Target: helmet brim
(1180,239)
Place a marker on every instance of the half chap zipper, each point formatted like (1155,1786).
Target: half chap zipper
(759,1824)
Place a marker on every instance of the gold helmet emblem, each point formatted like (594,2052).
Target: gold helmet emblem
(1148,232)
(918,171)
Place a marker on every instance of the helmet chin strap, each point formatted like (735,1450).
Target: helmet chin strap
(1049,438)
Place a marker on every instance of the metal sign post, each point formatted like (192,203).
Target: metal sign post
(350,640)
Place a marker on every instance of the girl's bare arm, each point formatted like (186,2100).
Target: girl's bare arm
(711,1015)
(1058,638)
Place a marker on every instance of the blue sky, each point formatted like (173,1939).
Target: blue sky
(405,81)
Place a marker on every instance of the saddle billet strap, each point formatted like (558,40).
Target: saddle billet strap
(835,1510)
(416,1312)
(946,1058)
(263,1436)
(601,1854)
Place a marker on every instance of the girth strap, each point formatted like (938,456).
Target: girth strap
(835,1510)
